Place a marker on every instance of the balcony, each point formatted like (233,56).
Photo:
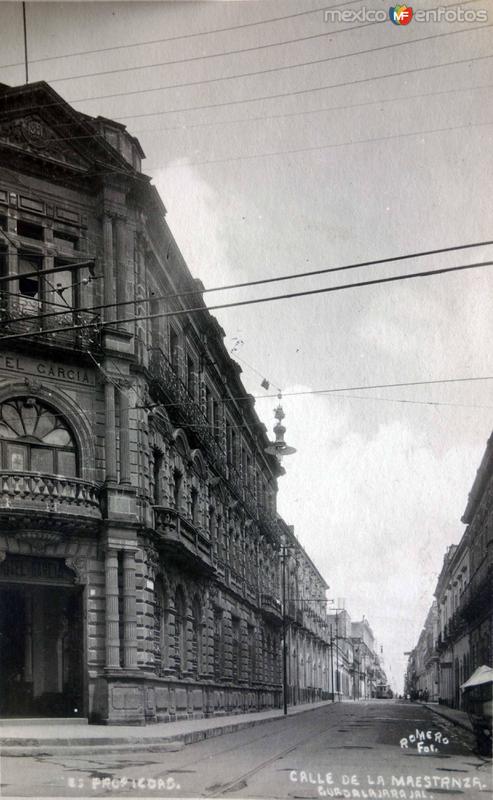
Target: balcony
(31,499)
(23,315)
(477,594)
(269,527)
(271,608)
(187,411)
(182,540)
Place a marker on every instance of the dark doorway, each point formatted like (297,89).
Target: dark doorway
(40,651)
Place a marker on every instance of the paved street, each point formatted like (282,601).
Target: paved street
(350,750)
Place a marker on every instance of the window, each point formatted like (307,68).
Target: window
(191,376)
(29,230)
(197,636)
(177,486)
(194,499)
(157,469)
(173,349)
(29,284)
(34,438)
(218,643)
(251,653)
(160,627)
(236,662)
(180,631)
(65,241)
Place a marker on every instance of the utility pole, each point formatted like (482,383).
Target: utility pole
(25,41)
(332,663)
(284,642)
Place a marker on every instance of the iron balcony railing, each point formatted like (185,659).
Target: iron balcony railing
(25,315)
(187,410)
(181,537)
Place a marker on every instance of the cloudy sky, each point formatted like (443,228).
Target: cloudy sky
(373,167)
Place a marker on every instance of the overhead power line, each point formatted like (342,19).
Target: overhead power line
(237,51)
(342,389)
(289,114)
(270,70)
(314,148)
(279,95)
(276,278)
(178,37)
(298,92)
(222,123)
(254,301)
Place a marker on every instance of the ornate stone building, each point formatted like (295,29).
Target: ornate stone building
(138,520)
(459,637)
(307,631)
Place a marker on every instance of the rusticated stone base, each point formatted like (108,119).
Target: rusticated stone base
(126,699)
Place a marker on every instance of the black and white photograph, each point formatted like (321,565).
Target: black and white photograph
(246,399)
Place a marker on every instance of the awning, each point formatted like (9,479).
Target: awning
(481,675)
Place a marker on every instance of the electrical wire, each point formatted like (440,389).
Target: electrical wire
(224,53)
(177,37)
(254,301)
(298,92)
(289,276)
(270,70)
(382,101)
(311,149)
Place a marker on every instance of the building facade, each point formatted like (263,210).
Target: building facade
(341,654)
(458,634)
(138,528)
(307,636)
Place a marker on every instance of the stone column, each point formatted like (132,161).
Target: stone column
(110,432)
(124,438)
(108,268)
(112,617)
(129,611)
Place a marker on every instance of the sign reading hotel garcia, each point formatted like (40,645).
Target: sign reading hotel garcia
(24,366)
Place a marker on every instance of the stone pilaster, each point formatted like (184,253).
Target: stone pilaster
(129,611)
(110,432)
(108,268)
(124,438)
(112,617)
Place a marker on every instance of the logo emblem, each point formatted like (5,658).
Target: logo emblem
(400,15)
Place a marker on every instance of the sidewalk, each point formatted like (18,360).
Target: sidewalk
(18,739)
(452,714)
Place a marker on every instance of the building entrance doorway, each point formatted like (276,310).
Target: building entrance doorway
(40,650)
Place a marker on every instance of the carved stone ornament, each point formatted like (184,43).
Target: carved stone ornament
(33,134)
(39,540)
(151,562)
(33,385)
(79,566)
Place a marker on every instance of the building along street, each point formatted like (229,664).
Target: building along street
(380,749)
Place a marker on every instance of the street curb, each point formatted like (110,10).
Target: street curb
(438,709)
(32,746)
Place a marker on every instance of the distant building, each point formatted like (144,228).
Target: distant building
(458,633)
(307,634)
(342,652)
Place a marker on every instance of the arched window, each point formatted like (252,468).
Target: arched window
(180,630)
(160,627)
(197,636)
(35,438)
(177,489)
(218,644)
